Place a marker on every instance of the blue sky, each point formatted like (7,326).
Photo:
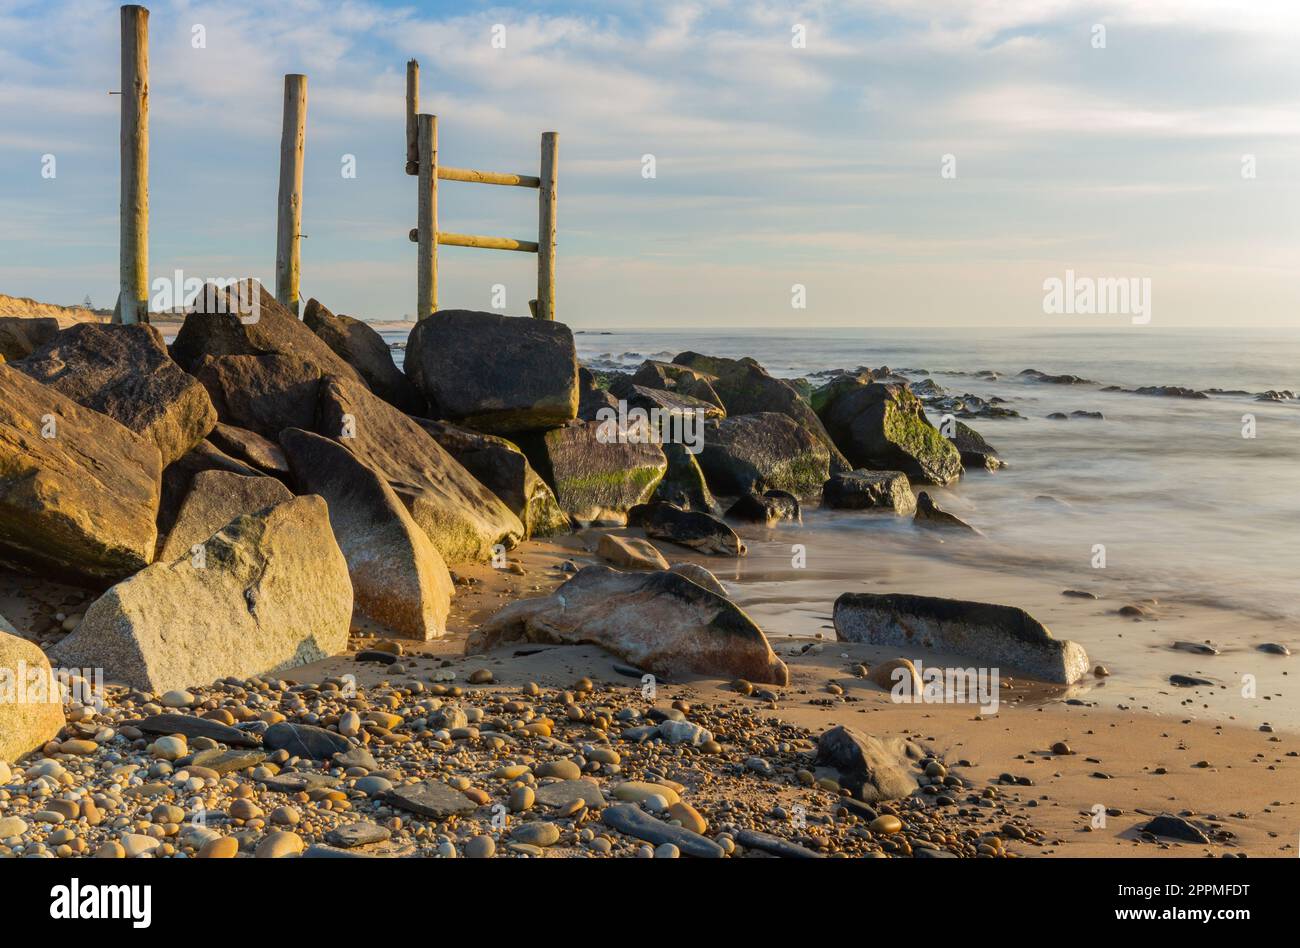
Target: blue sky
(775,165)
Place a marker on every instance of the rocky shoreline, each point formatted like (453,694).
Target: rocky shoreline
(262,536)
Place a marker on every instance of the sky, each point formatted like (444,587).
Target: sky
(930,163)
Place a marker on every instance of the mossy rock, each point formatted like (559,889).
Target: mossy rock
(753,453)
(684,483)
(596,479)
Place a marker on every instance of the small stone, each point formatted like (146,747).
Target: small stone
(279,845)
(170,748)
(536,834)
(886,824)
(480,847)
(687,816)
(521,799)
(177,699)
(223,847)
(285,816)
(349,724)
(667,851)
(480,676)
(638,791)
(564,769)
(1060,747)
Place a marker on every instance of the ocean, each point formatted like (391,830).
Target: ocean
(1186,510)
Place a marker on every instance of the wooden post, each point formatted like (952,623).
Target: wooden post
(412,110)
(427,292)
(289,229)
(546,227)
(133,237)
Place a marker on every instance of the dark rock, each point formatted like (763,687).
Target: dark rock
(78,491)
(375,655)
(664,400)
(1169,391)
(215,328)
(698,531)
(592,399)
(358,344)
(192,726)
(503,468)
(768,509)
(882,426)
(975,451)
(463,518)
(1190,681)
(563,792)
(1175,827)
(399,579)
(263,393)
(632,821)
(499,374)
(305,740)
(745,389)
(996,636)
(1093,415)
(746,454)
(683,485)
(1274,648)
(125,372)
(1033,375)
(774,845)
(871,768)
(1199,648)
(1078,594)
(596,478)
(929,514)
(680,379)
(863,490)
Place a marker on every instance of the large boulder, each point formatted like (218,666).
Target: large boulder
(504,469)
(78,490)
(20,336)
(179,475)
(263,393)
(660,622)
(500,374)
(399,578)
(273,593)
(596,478)
(689,528)
(746,388)
(684,484)
(463,518)
(665,401)
(592,399)
(746,454)
(216,327)
(863,490)
(994,635)
(215,498)
(125,372)
(872,769)
(882,426)
(357,343)
(28,718)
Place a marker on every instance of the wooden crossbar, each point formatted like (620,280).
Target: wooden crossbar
(475,240)
(488,177)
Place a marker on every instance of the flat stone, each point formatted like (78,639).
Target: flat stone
(298,782)
(566,791)
(536,834)
(632,821)
(228,761)
(361,833)
(432,799)
(329,852)
(753,839)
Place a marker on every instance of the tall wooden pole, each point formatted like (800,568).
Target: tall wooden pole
(546,226)
(133,238)
(427,292)
(289,229)
(412,110)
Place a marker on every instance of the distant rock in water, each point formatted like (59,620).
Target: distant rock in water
(680,379)
(1078,594)
(1169,391)
(996,636)
(1093,415)
(1034,375)
(659,621)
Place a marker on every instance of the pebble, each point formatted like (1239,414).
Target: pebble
(536,834)
(637,791)
(564,769)
(177,699)
(667,851)
(480,847)
(279,845)
(886,824)
(521,799)
(223,847)
(480,676)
